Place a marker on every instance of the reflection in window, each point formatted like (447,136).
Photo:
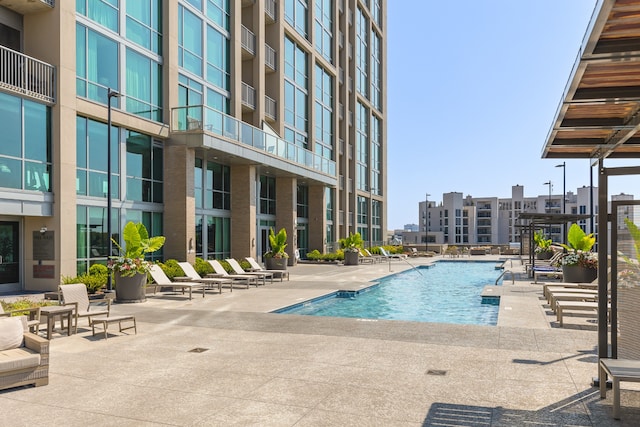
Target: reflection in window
(267,195)
(144,181)
(91,157)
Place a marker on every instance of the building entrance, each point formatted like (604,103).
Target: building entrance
(9,255)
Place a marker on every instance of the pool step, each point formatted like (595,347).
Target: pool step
(491,294)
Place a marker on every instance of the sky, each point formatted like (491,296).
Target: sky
(473,87)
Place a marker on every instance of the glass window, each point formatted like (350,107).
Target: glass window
(324,28)
(267,195)
(218,12)
(144,86)
(302,201)
(144,24)
(295,13)
(217,58)
(103,12)
(96,64)
(190,51)
(11,125)
(140,169)
(296,94)
(91,145)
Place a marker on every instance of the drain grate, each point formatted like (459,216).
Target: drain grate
(198,350)
(437,372)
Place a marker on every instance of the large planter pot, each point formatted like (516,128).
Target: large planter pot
(351,258)
(131,288)
(577,274)
(276,263)
(544,255)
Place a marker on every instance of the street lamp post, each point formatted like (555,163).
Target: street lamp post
(426,222)
(110,94)
(564,198)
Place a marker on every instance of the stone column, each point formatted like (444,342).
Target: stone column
(243,208)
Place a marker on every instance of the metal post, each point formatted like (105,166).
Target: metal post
(426,223)
(564,198)
(110,94)
(602,239)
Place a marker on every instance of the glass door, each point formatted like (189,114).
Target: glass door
(9,255)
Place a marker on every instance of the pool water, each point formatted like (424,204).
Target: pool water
(447,292)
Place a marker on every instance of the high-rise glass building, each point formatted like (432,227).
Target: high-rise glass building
(229,117)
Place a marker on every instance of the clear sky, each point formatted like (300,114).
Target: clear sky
(473,86)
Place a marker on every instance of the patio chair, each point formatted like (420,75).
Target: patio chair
(255,266)
(24,356)
(221,272)
(76,294)
(387,255)
(237,268)
(32,315)
(161,280)
(377,258)
(193,275)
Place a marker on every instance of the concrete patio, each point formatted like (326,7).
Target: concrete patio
(256,368)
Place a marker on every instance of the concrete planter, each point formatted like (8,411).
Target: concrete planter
(577,274)
(351,258)
(131,289)
(276,263)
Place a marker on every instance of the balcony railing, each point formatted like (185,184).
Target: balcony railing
(270,9)
(248,96)
(270,108)
(270,57)
(248,40)
(25,75)
(211,121)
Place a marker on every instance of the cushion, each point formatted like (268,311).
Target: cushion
(11,332)
(18,358)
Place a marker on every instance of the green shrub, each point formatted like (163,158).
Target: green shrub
(171,268)
(314,255)
(203,267)
(23,304)
(93,282)
(96,269)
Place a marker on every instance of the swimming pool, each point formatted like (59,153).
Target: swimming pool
(447,292)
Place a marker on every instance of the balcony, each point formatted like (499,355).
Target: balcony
(207,121)
(28,76)
(270,11)
(27,7)
(248,41)
(270,58)
(270,108)
(248,97)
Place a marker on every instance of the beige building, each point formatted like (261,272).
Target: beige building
(229,117)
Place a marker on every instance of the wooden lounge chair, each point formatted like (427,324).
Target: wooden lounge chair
(618,370)
(563,306)
(255,266)
(237,268)
(376,258)
(76,294)
(555,297)
(241,278)
(161,280)
(193,275)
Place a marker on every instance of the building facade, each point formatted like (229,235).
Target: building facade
(229,117)
(459,220)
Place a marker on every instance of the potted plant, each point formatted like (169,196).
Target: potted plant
(130,268)
(543,246)
(351,247)
(579,264)
(277,258)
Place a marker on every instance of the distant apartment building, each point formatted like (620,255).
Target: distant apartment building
(229,117)
(492,220)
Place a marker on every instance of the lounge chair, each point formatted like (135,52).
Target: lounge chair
(32,315)
(387,255)
(555,297)
(163,281)
(547,272)
(618,370)
(24,356)
(562,306)
(363,259)
(414,252)
(193,275)
(237,268)
(76,294)
(376,258)
(255,266)
(221,272)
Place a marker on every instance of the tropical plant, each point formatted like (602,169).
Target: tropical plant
(542,243)
(278,243)
(137,243)
(353,243)
(579,248)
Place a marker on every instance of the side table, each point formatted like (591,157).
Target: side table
(50,312)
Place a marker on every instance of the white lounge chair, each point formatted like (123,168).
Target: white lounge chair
(387,255)
(255,266)
(221,272)
(237,268)
(76,294)
(192,274)
(163,281)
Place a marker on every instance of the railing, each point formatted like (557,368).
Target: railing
(270,57)
(248,40)
(25,75)
(204,118)
(248,96)
(270,9)
(270,108)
